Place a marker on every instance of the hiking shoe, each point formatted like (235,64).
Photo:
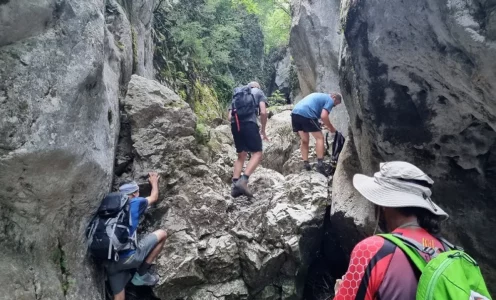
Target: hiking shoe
(145,279)
(307,166)
(235,191)
(321,169)
(242,185)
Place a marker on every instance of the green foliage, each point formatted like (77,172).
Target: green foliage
(204,48)
(275,18)
(202,135)
(205,105)
(277,98)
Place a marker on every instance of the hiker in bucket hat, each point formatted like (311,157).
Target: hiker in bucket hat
(401,194)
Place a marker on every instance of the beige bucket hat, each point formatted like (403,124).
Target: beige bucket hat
(399,184)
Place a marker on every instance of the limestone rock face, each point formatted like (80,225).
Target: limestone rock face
(220,247)
(63,65)
(420,87)
(315,43)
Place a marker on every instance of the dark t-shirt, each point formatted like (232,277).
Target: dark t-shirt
(259,96)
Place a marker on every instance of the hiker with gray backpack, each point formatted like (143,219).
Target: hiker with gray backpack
(410,260)
(112,237)
(247,102)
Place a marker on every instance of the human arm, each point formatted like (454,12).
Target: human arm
(153,179)
(325,119)
(368,264)
(263,119)
(229,115)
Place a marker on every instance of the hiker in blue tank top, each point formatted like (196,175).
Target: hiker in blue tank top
(305,119)
(146,251)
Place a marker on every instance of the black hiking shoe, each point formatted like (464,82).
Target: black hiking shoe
(242,185)
(235,191)
(322,170)
(307,166)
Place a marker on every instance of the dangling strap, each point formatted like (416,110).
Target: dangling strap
(237,121)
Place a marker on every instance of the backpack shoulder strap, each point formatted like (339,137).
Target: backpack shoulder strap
(409,247)
(449,246)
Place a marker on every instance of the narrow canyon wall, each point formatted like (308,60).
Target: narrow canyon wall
(64,65)
(419,77)
(315,41)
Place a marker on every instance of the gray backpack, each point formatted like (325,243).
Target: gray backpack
(243,105)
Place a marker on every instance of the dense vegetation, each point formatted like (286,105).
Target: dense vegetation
(206,47)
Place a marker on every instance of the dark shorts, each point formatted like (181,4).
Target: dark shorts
(300,123)
(120,272)
(248,138)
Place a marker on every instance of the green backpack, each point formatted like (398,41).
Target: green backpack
(450,275)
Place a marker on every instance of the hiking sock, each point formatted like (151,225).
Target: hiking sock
(246,177)
(234,180)
(144,268)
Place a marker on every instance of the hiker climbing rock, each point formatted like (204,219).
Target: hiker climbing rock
(246,102)
(136,256)
(305,119)
(389,266)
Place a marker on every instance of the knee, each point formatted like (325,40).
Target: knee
(161,235)
(319,138)
(305,142)
(242,156)
(257,154)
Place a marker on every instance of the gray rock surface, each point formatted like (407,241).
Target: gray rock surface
(63,66)
(220,247)
(315,43)
(420,87)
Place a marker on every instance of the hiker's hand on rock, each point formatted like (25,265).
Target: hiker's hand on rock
(153,177)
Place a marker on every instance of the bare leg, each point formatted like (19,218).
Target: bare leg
(238,165)
(161,236)
(120,296)
(256,158)
(305,144)
(319,144)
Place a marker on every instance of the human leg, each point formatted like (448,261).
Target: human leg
(120,296)
(319,144)
(319,147)
(148,250)
(304,144)
(253,143)
(238,165)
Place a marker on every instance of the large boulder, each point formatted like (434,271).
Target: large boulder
(315,42)
(64,64)
(219,247)
(419,85)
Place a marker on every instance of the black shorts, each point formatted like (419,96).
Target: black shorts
(248,138)
(301,123)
